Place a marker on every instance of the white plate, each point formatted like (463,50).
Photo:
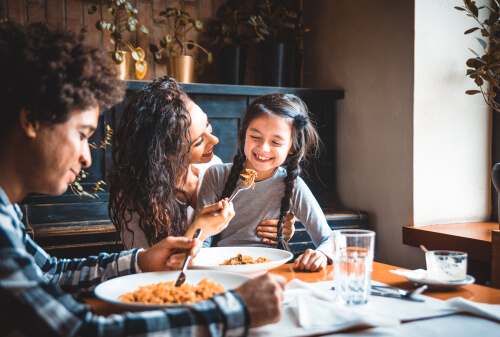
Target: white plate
(419,276)
(212,258)
(110,290)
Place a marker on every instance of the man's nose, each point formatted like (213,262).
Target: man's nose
(85,158)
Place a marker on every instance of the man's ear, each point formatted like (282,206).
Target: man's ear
(30,128)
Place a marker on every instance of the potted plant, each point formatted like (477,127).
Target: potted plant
(231,34)
(484,66)
(123,17)
(280,32)
(180,63)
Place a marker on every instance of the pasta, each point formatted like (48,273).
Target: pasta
(244,259)
(168,293)
(249,177)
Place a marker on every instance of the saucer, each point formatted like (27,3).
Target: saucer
(419,277)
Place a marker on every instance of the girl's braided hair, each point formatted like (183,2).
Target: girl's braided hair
(305,145)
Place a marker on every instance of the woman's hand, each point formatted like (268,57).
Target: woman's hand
(268,229)
(311,260)
(210,224)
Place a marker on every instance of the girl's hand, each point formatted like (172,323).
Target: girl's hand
(311,260)
(210,224)
(268,229)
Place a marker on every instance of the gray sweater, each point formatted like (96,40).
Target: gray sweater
(263,203)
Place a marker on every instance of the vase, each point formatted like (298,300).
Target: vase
(181,68)
(126,69)
(281,65)
(232,65)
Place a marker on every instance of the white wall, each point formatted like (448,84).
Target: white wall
(451,129)
(367,48)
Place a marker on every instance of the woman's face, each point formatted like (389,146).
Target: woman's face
(202,140)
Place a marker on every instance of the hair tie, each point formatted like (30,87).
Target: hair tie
(301,121)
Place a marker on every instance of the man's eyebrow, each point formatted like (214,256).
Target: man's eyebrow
(88,126)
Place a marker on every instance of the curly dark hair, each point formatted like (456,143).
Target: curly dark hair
(305,145)
(149,160)
(50,72)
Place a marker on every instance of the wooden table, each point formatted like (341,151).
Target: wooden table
(380,273)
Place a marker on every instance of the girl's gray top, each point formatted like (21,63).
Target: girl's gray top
(263,203)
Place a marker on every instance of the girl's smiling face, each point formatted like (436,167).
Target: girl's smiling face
(268,140)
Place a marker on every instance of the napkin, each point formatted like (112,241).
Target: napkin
(312,308)
(490,311)
(419,275)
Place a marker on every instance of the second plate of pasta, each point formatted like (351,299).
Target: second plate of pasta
(244,260)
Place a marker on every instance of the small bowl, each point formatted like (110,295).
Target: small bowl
(446,265)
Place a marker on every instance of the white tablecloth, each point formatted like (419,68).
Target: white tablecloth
(310,309)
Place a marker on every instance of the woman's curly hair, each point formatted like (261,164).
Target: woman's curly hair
(50,72)
(149,161)
(305,145)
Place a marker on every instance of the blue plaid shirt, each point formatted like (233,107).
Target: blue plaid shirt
(38,292)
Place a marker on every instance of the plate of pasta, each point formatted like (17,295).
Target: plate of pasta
(251,261)
(146,291)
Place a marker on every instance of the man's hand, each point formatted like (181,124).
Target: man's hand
(263,297)
(268,229)
(311,260)
(168,254)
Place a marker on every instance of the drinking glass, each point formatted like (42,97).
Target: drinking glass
(352,264)
(445,265)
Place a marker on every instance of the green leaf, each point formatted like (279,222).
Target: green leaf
(482,42)
(468,31)
(459,8)
(474,10)
(474,52)
(472,92)
(143,29)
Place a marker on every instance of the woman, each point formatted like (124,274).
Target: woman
(162,138)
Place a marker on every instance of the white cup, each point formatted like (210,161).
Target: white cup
(445,265)
(352,264)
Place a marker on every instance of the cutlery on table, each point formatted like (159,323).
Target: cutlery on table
(182,276)
(245,186)
(388,291)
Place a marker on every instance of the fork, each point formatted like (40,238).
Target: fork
(182,276)
(245,186)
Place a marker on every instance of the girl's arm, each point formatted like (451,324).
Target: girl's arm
(308,210)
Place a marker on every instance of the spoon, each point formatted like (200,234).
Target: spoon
(245,186)
(401,293)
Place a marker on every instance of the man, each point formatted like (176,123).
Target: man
(52,87)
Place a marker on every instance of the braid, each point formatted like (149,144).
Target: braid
(293,171)
(238,162)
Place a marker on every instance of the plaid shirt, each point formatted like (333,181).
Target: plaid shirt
(37,294)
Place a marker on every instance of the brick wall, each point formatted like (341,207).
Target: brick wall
(73,14)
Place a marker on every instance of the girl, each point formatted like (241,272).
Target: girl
(164,143)
(275,138)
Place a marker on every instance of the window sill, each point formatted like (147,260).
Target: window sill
(473,238)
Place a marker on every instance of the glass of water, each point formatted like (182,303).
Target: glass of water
(445,265)
(352,264)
